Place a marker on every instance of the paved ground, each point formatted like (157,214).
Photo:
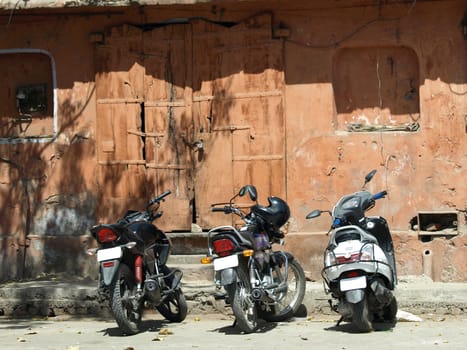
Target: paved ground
(57,314)
(55,297)
(216,332)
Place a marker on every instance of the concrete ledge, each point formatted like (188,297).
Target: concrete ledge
(80,298)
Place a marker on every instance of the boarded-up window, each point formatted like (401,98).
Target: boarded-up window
(26,111)
(376,89)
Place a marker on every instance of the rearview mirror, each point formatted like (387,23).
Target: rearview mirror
(369,176)
(251,190)
(314,214)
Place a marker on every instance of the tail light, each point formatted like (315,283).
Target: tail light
(106,235)
(350,274)
(348,259)
(223,246)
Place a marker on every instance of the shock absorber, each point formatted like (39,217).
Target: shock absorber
(139,271)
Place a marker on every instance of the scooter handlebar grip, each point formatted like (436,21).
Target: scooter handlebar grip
(380,195)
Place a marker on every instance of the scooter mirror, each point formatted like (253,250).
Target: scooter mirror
(369,176)
(314,214)
(251,190)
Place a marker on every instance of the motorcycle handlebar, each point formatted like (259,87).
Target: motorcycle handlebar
(159,197)
(225,209)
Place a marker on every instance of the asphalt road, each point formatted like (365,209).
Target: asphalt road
(216,332)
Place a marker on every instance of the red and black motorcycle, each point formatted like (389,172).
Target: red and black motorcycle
(260,283)
(132,254)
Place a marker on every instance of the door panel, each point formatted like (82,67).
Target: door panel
(168,121)
(196,109)
(237,101)
(142,123)
(119,92)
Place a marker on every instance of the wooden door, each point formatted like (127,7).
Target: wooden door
(143,123)
(196,108)
(238,113)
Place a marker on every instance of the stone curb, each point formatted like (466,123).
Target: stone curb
(81,299)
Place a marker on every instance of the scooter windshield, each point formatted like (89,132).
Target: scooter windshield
(351,208)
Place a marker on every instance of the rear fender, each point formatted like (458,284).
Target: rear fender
(355,296)
(382,294)
(108,272)
(228,276)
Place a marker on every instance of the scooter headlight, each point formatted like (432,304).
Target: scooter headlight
(367,253)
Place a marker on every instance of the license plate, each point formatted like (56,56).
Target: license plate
(109,254)
(353,283)
(225,263)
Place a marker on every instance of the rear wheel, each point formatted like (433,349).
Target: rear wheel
(244,308)
(288,300)
(390,312)
(126,311)
(360,316)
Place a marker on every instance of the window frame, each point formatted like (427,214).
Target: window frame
(36,139)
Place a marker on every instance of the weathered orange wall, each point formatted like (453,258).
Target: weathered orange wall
(422,171)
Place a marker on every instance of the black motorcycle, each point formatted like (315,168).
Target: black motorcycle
(260,283)
(132,254)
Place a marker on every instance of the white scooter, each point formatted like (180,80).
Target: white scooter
(359,265)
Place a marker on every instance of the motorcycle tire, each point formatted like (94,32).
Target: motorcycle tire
(360,316)
(390,312)
(288,302)
(122,291)
(174,308)
(243,307)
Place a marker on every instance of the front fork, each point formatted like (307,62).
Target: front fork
(262,281)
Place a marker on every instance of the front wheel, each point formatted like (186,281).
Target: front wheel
(360,316)
(126,310)
(287,301)
(243,307)
(174,308)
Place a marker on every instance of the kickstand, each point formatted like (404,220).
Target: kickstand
(333,308)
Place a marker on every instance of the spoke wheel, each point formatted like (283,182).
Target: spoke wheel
(244,308)
(286,302)
(122,295)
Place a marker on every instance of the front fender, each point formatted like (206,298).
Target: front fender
(355,296)
(280,256)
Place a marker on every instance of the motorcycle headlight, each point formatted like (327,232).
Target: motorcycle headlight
(367,253)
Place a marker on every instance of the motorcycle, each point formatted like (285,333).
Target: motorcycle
(359,263)
(259,283)
(132,255)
